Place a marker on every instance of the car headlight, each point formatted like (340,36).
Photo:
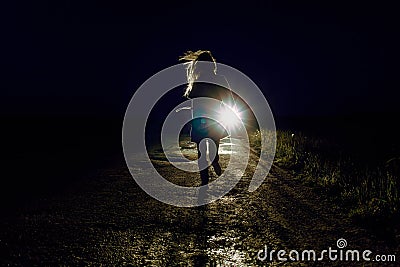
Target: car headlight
(229,116)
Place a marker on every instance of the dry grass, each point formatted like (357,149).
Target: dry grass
(364,190)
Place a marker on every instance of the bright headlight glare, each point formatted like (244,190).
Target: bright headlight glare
(229,116)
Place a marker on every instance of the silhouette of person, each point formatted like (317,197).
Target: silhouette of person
(202,127)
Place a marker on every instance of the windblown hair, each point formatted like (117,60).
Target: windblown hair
(192,58)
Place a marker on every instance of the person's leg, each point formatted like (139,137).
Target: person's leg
(202,150)
(215,162)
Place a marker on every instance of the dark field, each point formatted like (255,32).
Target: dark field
(44,156)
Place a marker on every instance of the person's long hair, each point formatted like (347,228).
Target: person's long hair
(192,58)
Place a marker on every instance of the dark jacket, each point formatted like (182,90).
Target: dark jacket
(204,127)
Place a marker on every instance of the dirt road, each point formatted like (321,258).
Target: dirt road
(107,219)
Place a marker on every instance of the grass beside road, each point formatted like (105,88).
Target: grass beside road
(368,190)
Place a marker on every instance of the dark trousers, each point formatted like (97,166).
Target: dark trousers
(202,150)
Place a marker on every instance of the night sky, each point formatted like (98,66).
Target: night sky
(72,58)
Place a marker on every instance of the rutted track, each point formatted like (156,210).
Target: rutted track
(111,221)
